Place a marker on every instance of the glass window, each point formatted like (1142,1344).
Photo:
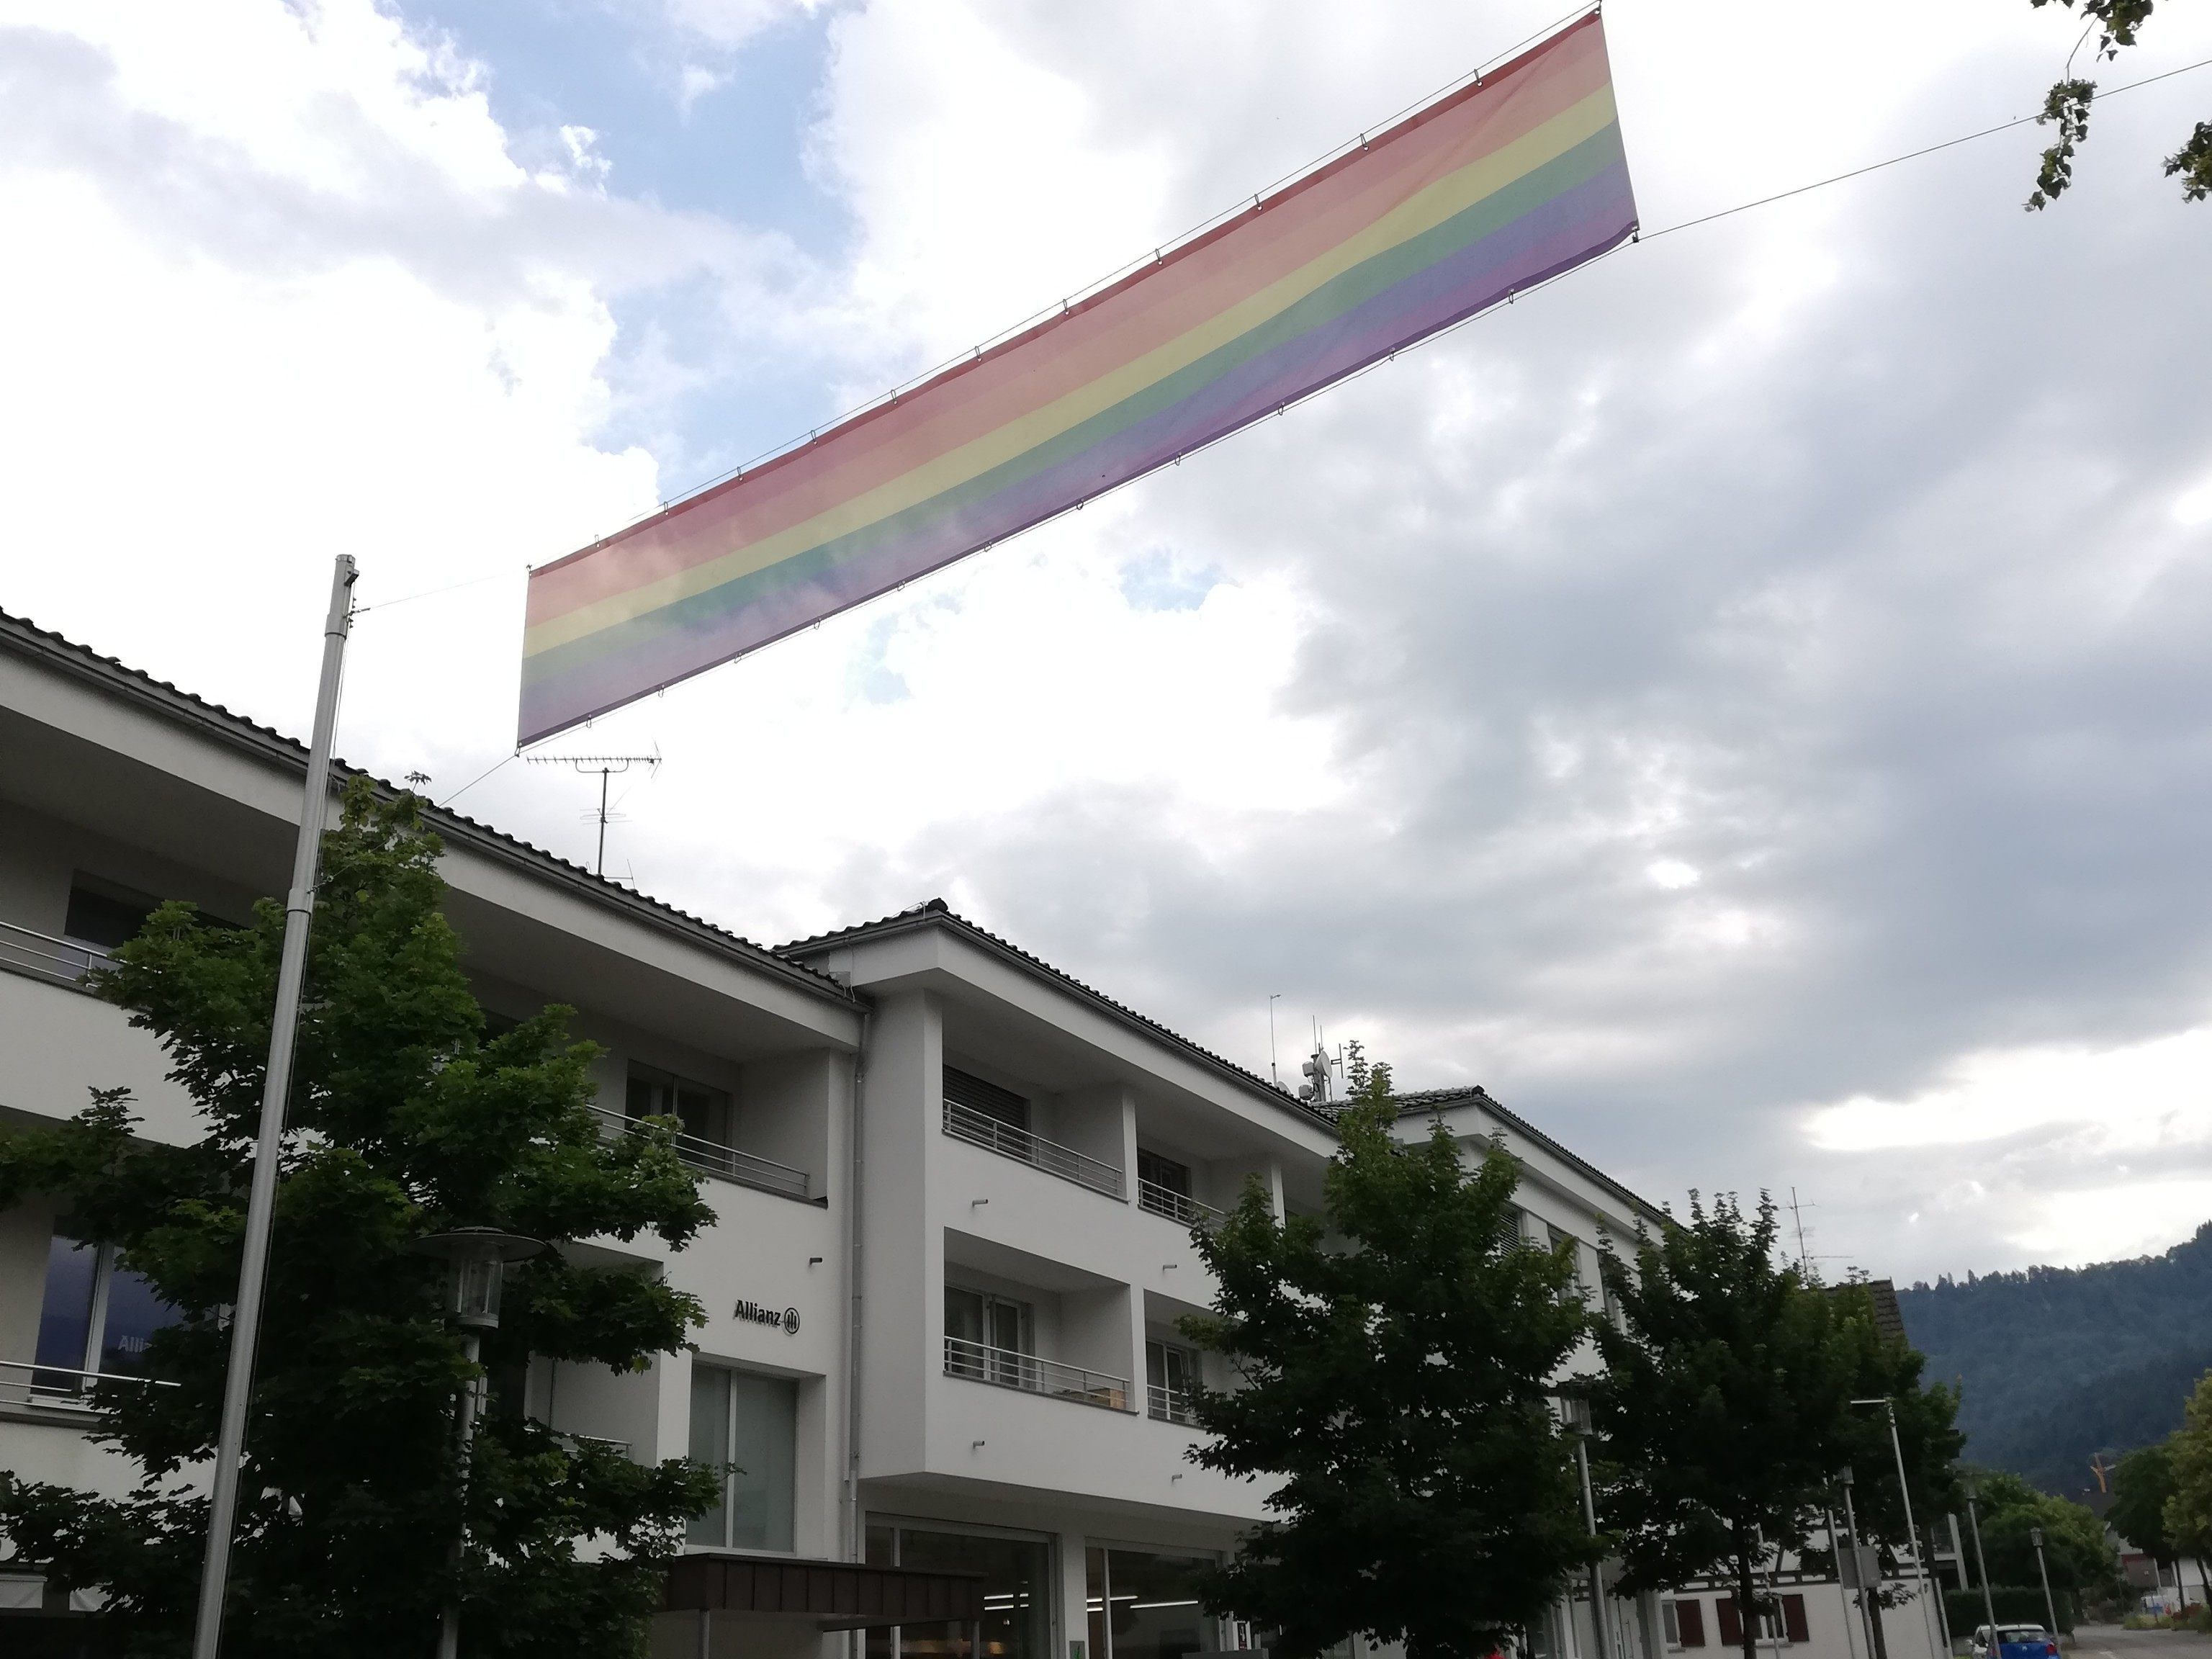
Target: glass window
(704,1113)
(95,1315)
(1152,1609)
(747,1426)
(987,1335)
(1170,1375)
(1164,1172)
(1016,1596)
(105,915)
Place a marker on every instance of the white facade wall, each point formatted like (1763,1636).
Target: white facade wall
(835,1062)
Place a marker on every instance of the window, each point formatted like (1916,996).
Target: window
(1685,1623)
(1164,1173)
(102,913)
(1170,1375)
(999,1105)
(1145,1605)
(1509,1230)
(987,1336)
(94,1316)
(1016,1593)
(747,1426)
(704,1113)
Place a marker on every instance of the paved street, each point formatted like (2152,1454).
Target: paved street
(2110,1642)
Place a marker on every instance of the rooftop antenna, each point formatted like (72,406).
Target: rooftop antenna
(1797,1220)
(1273,1070)
(1315,1090)
(607,766)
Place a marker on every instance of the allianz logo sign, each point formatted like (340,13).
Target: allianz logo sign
(754,1313)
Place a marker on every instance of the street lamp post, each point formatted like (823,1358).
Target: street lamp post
(1579,1425)
(1936,1624)
(2043,1571)
(1982,1565)
(1867,1611)
(475,1260)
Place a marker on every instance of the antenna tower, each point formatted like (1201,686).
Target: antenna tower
(608,767)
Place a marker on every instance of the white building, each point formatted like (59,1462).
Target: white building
(954,1185)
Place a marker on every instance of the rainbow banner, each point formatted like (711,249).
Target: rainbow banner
(1492,188)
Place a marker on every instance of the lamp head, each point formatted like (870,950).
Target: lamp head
(475,1259)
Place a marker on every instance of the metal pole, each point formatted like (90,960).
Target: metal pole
(1842,1595)
(2049,1607)
(1596,1572)
(1936,1593)
(1982,1565)
(261,1201)
(1867,1609)
(1904,1491)
(449,1620)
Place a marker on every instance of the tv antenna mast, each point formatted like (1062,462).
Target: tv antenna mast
(1314,1090)
(608,767)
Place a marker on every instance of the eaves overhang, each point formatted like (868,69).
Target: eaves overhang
(221,727)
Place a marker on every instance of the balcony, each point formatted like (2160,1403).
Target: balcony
(1167,1405)
(981,1363)
(41,956)
(22,1384)
(724,1163)
(1178,1207)
(980,1129)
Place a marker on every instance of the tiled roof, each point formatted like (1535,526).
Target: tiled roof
(937,912)
(1423,1101)
(27,639)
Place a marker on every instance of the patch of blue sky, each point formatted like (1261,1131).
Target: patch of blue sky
(1162,580)
(688,124)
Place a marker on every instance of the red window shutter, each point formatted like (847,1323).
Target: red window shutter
(1731,1622)
(1691,1617)
(1793,1618)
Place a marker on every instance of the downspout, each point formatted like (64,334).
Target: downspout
(855,1544)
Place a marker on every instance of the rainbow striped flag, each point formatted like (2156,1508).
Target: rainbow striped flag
(1493,187)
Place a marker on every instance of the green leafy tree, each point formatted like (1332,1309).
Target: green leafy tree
(1724,1411)
(408,1118)
(2188,1509)
(1394,1368)
(2142,1486)
(2074,1549)
(2116,23)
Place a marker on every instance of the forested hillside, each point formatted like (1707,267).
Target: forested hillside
(2061,1363)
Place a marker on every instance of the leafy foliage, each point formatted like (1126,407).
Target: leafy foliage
(2057,1363)
(1394,1367)
(407,1119)
(2188,1509)
(1725,1407)
(2073,1546)
(2142,1487)
(2116,23)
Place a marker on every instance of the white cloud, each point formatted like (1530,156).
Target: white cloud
(1672,874)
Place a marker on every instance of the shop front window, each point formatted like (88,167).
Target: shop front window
(1145,1605)
(1017,1572)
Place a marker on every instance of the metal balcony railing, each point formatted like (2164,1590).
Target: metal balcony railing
(979,1362)
(1175,1206)
(981,1129)
(60,1385)
(1169,1405)
(712,1158)
(42,956)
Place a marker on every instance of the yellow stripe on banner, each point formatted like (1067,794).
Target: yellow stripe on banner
(1420,212)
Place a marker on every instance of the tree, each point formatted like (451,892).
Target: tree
(2142,1486)
(2187,1511)
(1725,1410)
(2116,23)
(408,1118)
(2075,1550)
(1394,1368)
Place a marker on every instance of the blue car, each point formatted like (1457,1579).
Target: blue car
(2015,1641)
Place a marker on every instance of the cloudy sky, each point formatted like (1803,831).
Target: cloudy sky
(1745,704)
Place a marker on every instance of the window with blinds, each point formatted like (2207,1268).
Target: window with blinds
(1000,1105)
